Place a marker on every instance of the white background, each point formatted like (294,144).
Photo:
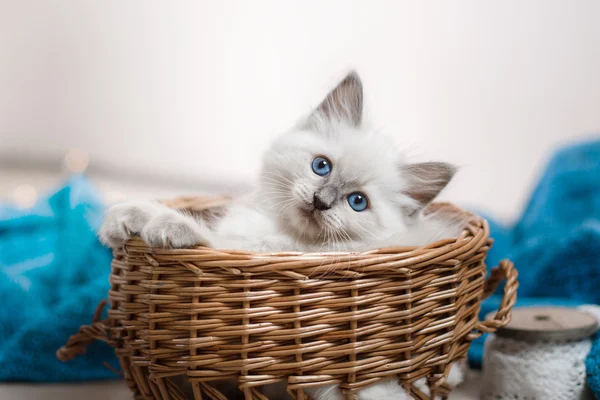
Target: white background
(196,89)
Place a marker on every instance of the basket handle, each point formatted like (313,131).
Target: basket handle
(504,271)
(78,343)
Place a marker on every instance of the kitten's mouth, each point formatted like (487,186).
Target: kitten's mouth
(307,213)
(310,216)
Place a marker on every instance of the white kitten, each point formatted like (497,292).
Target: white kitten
(329,184)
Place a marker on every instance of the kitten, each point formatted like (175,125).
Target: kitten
(329,184)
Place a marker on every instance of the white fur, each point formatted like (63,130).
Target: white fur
(280,215)
(388,389)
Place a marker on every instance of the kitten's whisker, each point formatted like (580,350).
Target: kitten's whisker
(276,192)
(368,233)
(357,233)
(346,235)
(281,203)
(285,198)
(286,207)
(277,185)
(279,177)
(329,234)
(271,181)
(318,235)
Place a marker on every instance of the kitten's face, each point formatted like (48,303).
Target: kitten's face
(333,181)
(337,187)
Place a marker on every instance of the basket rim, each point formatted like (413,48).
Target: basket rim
(477,228)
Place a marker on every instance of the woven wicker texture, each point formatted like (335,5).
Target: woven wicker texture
(305,319)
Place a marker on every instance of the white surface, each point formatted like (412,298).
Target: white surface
(118,391)
(87,391)
(198,88)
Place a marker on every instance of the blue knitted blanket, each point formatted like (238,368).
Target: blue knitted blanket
(53,271)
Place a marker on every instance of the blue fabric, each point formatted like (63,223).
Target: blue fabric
(53,273)
(556,243)
(592,366)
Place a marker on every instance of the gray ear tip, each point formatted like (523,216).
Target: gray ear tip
(353,77)
(452,169)
(449,170)
(444,168)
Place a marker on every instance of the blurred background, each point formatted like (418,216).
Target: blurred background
(157,98)
(153,99)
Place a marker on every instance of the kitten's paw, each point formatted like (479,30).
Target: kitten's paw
(455,377)
(124,221)
(387,389)
(457,373)
(171,229)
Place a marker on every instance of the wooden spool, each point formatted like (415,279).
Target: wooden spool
(548,323)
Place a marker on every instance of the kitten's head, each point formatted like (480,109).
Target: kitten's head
(331,180)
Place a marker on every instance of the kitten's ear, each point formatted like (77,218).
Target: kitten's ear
(344,103)
(424,181)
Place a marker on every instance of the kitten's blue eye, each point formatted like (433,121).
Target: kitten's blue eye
(321,166)
(358,201)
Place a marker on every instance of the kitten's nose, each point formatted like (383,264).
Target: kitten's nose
(319,203)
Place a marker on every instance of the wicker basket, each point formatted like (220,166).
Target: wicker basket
(303,319)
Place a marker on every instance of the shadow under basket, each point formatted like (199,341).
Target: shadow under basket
(298,319)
